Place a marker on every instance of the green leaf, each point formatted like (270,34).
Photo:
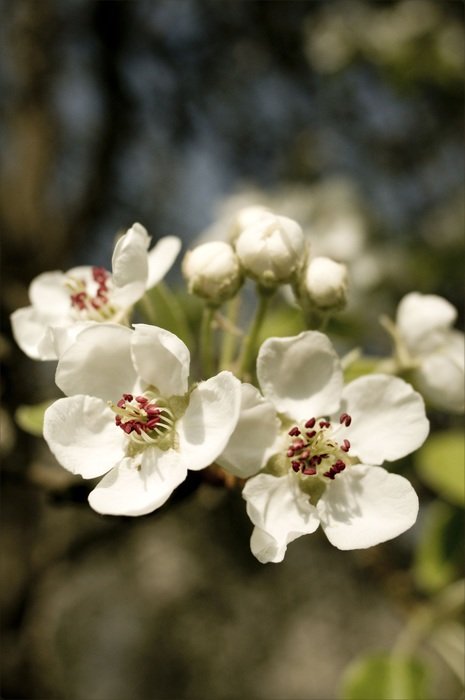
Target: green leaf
(440,465)
(360,367)
(31,418)
(167,309)
(438,558)
(281,321)
(385,677)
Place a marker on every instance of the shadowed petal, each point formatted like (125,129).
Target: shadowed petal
(249,447)
(388,418)
(31,330)
(81,432)
(209,420)
(98,363)
(161,257)
(48,293)
(130,266)
(140,484)
(281,513)
(440,376)
(366,505)
(161,359)
(300,375)
(422,320)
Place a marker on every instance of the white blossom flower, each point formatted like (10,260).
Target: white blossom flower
(87,293)
(129,415)
(271,249)
(327,443)
(212,271)
(325,284)
(433,350)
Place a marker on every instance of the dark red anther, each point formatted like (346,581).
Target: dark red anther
(142,400)
(294,431)
(100,275)
(79,299)
(324,424)
(338,466)
(345,447)
(330,474)
(295,466)
(310,423)
(121,403)
(290,452)
(128,397)
(152,422)
(152,410)
(345,419)
(311,433)
(309,471)
(305,454)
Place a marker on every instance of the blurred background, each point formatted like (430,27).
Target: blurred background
(345,115)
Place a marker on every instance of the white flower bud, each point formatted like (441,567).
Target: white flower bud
(271,249)
(212,271)
(325,284)
(244,218)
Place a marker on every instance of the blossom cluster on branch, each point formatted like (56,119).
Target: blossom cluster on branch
(274,418)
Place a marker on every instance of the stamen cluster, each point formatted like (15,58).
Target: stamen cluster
(82,300)
(313,445)
(142,418)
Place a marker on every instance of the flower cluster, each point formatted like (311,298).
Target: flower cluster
(275,418)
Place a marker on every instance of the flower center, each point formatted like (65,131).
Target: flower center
(313,451)
(145,419)
(92,299)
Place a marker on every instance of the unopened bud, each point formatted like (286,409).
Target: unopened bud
(325,284)
(212,271)
(272,249)
(244,218)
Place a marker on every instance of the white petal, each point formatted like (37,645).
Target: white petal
(130,266)
(281,513)
(388,418)
(140,484)
(48,293)
(422,319)
(31,330)
(209,420)
(366,505)
(161,258)
(300,375)
(161,359)
(64,336)
(250,445)
(81,433)
(98,363)
(440,376)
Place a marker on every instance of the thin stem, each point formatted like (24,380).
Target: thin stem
(247,356)
(228,344)
(206,341)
